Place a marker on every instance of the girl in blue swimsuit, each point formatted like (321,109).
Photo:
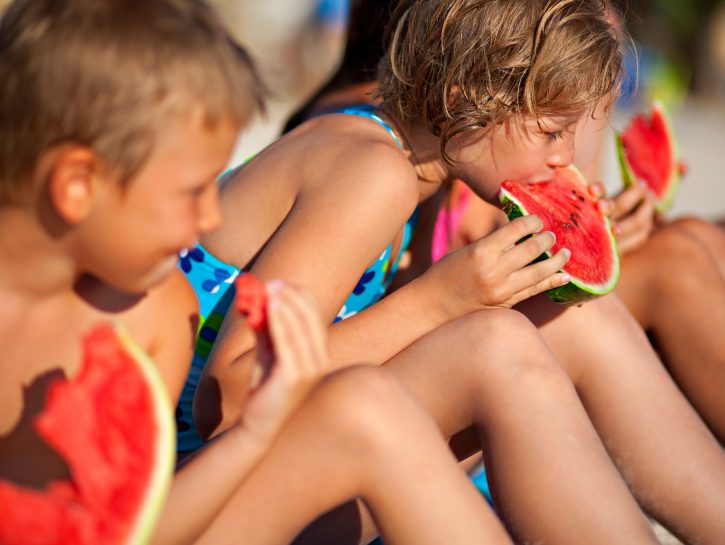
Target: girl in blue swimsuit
(213,282)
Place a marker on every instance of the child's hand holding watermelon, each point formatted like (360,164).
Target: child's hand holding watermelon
(496,272)
(633,218)
(632,212)
(292,350)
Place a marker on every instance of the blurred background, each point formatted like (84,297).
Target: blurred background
(680,55)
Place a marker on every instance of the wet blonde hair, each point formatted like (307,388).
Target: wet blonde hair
(458,65)
(107,75)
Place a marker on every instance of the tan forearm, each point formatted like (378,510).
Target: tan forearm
(384,329)
(205,483)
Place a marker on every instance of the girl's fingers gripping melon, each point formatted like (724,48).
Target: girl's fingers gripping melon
(568,209)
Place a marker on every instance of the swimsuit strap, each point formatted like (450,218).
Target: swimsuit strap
(371,112)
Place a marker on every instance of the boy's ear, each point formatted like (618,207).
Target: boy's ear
(71,182)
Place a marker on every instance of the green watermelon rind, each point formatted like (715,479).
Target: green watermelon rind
(576,291)
(160,480)
(629,178)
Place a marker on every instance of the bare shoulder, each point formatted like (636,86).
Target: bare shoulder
(166,321)
(171,300)
(359,163)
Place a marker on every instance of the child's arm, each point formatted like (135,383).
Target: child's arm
(206,482)
(166,322)
(328,240)
(492,272)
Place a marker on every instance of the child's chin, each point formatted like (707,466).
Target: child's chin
(142,283)
(163,271)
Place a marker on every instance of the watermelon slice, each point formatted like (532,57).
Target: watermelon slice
(251,301)
(648,151)
(113,425)
(568,210)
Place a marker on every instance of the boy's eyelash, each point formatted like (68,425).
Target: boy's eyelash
(555,135)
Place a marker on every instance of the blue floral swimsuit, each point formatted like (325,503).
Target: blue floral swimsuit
(213,281)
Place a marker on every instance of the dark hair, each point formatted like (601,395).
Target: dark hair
(363,50)
(106,73)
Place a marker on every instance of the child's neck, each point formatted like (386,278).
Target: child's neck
(424,152)
(34,259)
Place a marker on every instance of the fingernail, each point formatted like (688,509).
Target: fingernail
(566,252)
(565,278)
(617,230)
(539,223)
(553,236)
(274,286)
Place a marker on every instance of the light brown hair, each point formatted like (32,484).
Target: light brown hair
(457,65)
(107,74)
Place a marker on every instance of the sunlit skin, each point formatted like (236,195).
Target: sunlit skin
(162,211)
(91,250)
(353,200)
(85,249)
(525,151)
(357,165)
(692,246)
(670,461)
(682,323)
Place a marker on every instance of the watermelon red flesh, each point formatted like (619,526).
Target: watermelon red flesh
(251,300)
(568,210)
(648,151)
(113,426)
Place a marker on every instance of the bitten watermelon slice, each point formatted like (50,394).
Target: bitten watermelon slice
(648,151)
(251,300)
(113,426)
(568,210)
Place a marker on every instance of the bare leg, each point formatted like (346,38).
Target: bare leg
(669,458)
(710,237)
(550,475)
(359,434)
(675,290)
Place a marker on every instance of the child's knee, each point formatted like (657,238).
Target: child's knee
(686,247)
(504,335)
(697,227)
(507,350)
(367,407)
